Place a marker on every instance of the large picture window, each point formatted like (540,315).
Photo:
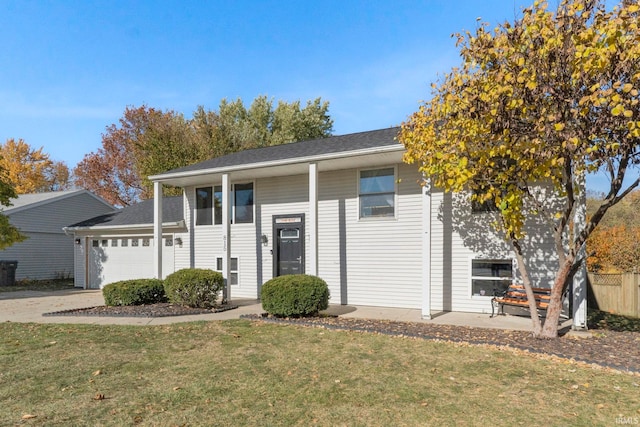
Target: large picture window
(243,203)
(489,276)
(204,203)
(377,193)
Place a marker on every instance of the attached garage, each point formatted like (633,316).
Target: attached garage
(120,245)
(115,258)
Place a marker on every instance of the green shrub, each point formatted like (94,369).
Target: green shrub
(295,295)
(194,287)
(597,319)
(134,292)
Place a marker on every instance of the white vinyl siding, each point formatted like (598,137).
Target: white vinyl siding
(286,195)
(382,258)
(458,236)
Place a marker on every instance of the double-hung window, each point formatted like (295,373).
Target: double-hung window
(209,204)
(377,193)
(489,276)
(204,203)
(243,203)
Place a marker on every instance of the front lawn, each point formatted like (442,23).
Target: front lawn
(245,373)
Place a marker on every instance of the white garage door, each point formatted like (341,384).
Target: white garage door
(113,259)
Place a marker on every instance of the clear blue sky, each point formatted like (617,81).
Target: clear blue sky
(69,68)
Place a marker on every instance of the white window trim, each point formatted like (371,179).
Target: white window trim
(233,204)
(195,206)
(395,195)
(489,259)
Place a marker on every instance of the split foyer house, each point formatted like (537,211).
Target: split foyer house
(345,208)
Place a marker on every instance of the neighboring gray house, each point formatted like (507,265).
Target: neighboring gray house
(48,252)
(345,208)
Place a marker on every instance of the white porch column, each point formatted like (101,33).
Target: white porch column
(312,226)
(157,229)
(226,236)
(580,278)
(426,250)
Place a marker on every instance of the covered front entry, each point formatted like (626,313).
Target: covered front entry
(288,232)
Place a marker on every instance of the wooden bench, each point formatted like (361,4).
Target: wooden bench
(516,296)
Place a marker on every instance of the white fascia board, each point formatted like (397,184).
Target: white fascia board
(166,225)
(281,162)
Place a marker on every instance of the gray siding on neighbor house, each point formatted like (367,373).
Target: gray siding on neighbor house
(49,253)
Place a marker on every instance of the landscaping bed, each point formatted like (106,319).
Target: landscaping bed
(145,310)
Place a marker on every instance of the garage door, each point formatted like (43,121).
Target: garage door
(123,258)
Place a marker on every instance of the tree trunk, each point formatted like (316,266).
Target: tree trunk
(526,281)
(550,327)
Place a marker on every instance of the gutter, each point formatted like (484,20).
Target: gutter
(165,225)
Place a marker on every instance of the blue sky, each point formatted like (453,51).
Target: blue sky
(69,68)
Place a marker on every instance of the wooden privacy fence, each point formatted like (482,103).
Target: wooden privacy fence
(616,293)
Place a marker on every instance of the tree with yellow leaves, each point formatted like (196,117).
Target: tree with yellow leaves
(31,170)
(546,99)
(9,234)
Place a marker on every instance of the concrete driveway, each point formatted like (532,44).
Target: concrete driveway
(29,306)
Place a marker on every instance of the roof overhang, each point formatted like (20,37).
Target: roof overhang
(369,157)
(128,228)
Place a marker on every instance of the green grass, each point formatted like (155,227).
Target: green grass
(39,285)
(244,373)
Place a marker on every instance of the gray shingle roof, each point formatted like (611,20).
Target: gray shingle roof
(312,147)
(140,213)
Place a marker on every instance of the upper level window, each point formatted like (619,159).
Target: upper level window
(377,193)
(243,203)
(209,204)
(204,202)
(486,206)
(217,204)
(489,276)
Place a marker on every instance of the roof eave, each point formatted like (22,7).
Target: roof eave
(276,163)
(127,227)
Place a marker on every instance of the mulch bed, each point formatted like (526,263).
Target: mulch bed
(617,350)
(145,310)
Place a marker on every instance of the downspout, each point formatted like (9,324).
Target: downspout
(426,250)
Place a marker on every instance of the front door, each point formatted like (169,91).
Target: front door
(289,248)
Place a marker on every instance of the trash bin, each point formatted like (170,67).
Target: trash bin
(8,273)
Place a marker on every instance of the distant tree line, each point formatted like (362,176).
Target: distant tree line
(149,141)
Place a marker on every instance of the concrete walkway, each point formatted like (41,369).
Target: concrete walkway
(28,306)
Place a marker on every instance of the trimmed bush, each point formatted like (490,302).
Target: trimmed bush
(194,287)
(134,292)
(295,295)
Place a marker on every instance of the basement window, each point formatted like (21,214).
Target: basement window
(490,276)
(233,269)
